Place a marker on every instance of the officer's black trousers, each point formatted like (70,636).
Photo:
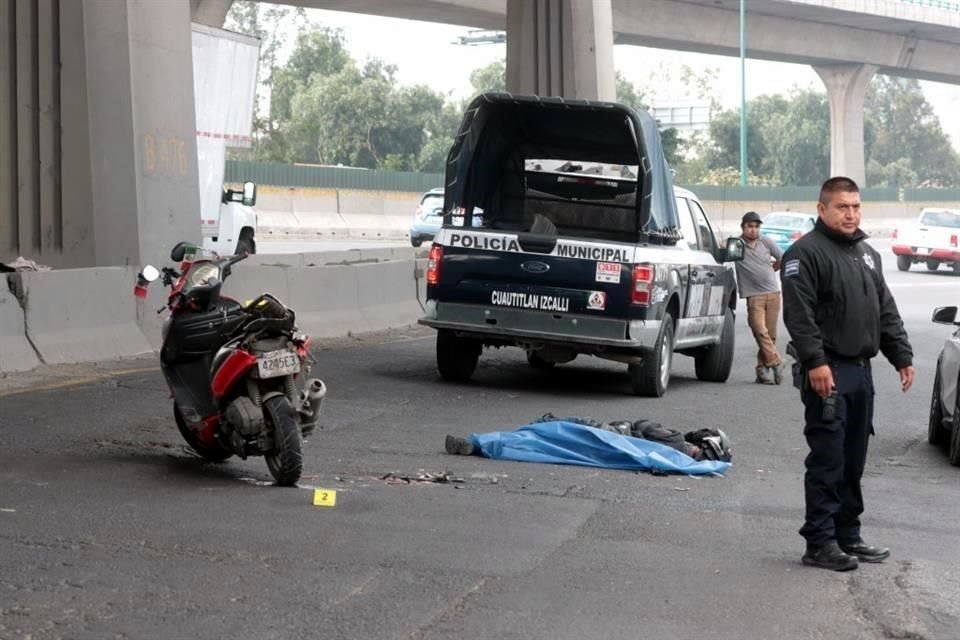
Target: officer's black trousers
(838,451)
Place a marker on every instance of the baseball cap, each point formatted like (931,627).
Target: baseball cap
(750,216)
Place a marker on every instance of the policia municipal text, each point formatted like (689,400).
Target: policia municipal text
(839,313)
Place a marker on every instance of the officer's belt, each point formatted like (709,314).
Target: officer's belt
(857,361)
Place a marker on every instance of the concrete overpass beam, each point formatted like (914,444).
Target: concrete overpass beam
(846,87)
(560,48)
(210,12)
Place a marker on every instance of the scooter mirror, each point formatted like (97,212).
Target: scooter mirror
(181,249)
(150,273)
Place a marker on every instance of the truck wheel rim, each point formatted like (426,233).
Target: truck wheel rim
(666,353)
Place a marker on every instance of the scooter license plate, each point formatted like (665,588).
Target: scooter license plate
(278,363)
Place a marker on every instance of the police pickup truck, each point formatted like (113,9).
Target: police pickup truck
(585,246)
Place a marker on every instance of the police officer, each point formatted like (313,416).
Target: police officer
(839,313)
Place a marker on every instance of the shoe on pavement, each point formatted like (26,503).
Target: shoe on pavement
(765,376)
(866,553)
(457,446)
(777,371)
(829,556)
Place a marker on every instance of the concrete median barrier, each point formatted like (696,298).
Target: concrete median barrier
(345,300)
(16,354)
(326,301)
(87,315)
(248,282)
(81,315)
(388,294)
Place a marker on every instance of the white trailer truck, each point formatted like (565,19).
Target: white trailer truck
(224,92)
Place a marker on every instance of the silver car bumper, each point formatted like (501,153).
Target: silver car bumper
(536,325)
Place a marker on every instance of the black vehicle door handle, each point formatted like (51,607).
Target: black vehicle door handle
(710,274)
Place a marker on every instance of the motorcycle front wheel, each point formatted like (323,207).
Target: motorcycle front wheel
(285,461)
(213,454)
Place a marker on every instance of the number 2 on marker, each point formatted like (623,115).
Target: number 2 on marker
(324,497)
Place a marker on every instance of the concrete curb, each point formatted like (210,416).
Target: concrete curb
(16,354)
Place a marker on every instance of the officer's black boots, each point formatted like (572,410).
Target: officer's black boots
(866,553)
(829,556)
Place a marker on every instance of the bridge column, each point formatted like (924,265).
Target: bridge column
(846,87)
(98,156)
(561,48)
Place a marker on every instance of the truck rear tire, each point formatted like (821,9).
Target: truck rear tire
(456,357)
(651,378)
(933,265)
(903,263)
(715,364)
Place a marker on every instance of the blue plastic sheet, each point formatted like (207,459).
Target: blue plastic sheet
(571,443)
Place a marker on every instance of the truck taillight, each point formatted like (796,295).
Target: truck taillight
(433,264)
(953,240)
(642,284)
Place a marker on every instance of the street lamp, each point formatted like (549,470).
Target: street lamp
(743,98)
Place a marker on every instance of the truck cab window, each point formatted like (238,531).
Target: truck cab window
(687,227)
(708,242)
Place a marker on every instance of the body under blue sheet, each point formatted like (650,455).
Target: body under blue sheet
(571,443)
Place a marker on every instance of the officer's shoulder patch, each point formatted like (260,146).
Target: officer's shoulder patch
(791,268)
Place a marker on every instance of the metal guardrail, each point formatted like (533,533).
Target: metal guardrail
(330,177)
(283,175)
(936,4)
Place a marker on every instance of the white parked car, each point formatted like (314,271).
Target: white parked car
(933,239)
(945,404)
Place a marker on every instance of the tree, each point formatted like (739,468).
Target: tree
(798,141)
(322,52)
(269,23)
(788,140)
(908,146)
(492,77)
(441,129)
(629,94)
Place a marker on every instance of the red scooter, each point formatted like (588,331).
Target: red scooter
(235,371)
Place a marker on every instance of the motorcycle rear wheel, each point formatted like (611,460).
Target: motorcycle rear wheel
(213,454)
(286,460)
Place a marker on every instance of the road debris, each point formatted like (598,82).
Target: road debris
(442,477)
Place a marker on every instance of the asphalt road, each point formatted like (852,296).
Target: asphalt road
(109,528)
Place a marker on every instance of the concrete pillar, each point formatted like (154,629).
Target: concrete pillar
(142,131)
(210,12)
(846,87)
(561,48)
(97,131)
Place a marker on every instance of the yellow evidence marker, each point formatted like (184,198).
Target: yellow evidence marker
(324,497)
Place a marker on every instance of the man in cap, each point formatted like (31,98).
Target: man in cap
(759,285)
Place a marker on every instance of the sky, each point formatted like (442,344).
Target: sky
(427,55)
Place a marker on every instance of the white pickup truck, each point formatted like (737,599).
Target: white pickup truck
(932,239)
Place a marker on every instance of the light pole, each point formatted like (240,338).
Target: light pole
(743,97)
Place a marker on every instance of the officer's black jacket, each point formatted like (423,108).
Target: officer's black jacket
(836,303)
